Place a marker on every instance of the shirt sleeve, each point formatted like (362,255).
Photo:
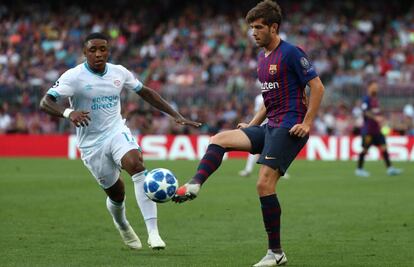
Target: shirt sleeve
(63,87)
(132,83)
(302,66)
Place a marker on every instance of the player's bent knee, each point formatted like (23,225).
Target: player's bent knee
(133,165)
(116,192)
(232,139)
(136,168)
(265,188)
(217,139)
(266,185)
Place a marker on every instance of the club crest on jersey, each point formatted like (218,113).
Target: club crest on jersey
(272,69)
(117,83)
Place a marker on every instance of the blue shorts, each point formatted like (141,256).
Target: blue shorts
(277,148)
(373,139)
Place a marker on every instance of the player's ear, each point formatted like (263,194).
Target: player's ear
(274,27)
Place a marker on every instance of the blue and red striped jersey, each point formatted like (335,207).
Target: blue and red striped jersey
(371,126)
(283,75)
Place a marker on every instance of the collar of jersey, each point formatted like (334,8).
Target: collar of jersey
(96,73)
(277,47)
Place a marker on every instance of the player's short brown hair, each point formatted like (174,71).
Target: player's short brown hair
(267,10)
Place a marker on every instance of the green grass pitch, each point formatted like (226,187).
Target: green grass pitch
(52,213)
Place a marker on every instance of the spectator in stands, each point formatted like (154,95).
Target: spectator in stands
(191,57)
(5,119)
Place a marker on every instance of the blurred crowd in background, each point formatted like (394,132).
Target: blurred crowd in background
(200,56)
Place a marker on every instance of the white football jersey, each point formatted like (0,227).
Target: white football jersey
(100,95)
(258,102)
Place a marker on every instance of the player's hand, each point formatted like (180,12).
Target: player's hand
(184,121)
(300,130)
(80,118)
(242,125)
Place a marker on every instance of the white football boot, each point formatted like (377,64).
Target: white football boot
(391,171)
(129,237)
(361,173)
(186,192)
(244,173)
(155,241)
(272,259)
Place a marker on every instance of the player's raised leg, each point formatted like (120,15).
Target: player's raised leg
(115,203)
(132,162)
(211,161)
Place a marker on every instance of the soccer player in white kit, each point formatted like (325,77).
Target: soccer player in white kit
(105,142)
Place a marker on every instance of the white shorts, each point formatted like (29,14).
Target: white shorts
(104,162)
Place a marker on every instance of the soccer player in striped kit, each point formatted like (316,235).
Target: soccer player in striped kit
(284,71)
(371,132)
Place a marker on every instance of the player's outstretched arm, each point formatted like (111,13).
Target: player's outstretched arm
(158,102)
(78,118)
(316,93)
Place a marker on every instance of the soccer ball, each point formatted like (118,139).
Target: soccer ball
(160,185)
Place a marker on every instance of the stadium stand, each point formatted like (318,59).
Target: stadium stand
(194,52)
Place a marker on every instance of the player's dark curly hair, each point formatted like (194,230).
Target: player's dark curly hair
(96,35)
(267,10)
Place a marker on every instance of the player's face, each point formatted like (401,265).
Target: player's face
(373,89)
(96,53)
(262,33)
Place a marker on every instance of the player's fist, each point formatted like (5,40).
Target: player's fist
(242,125)
(80,118)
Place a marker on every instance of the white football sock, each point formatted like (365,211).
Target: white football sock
(117,210)
(147,206)
(251,160)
